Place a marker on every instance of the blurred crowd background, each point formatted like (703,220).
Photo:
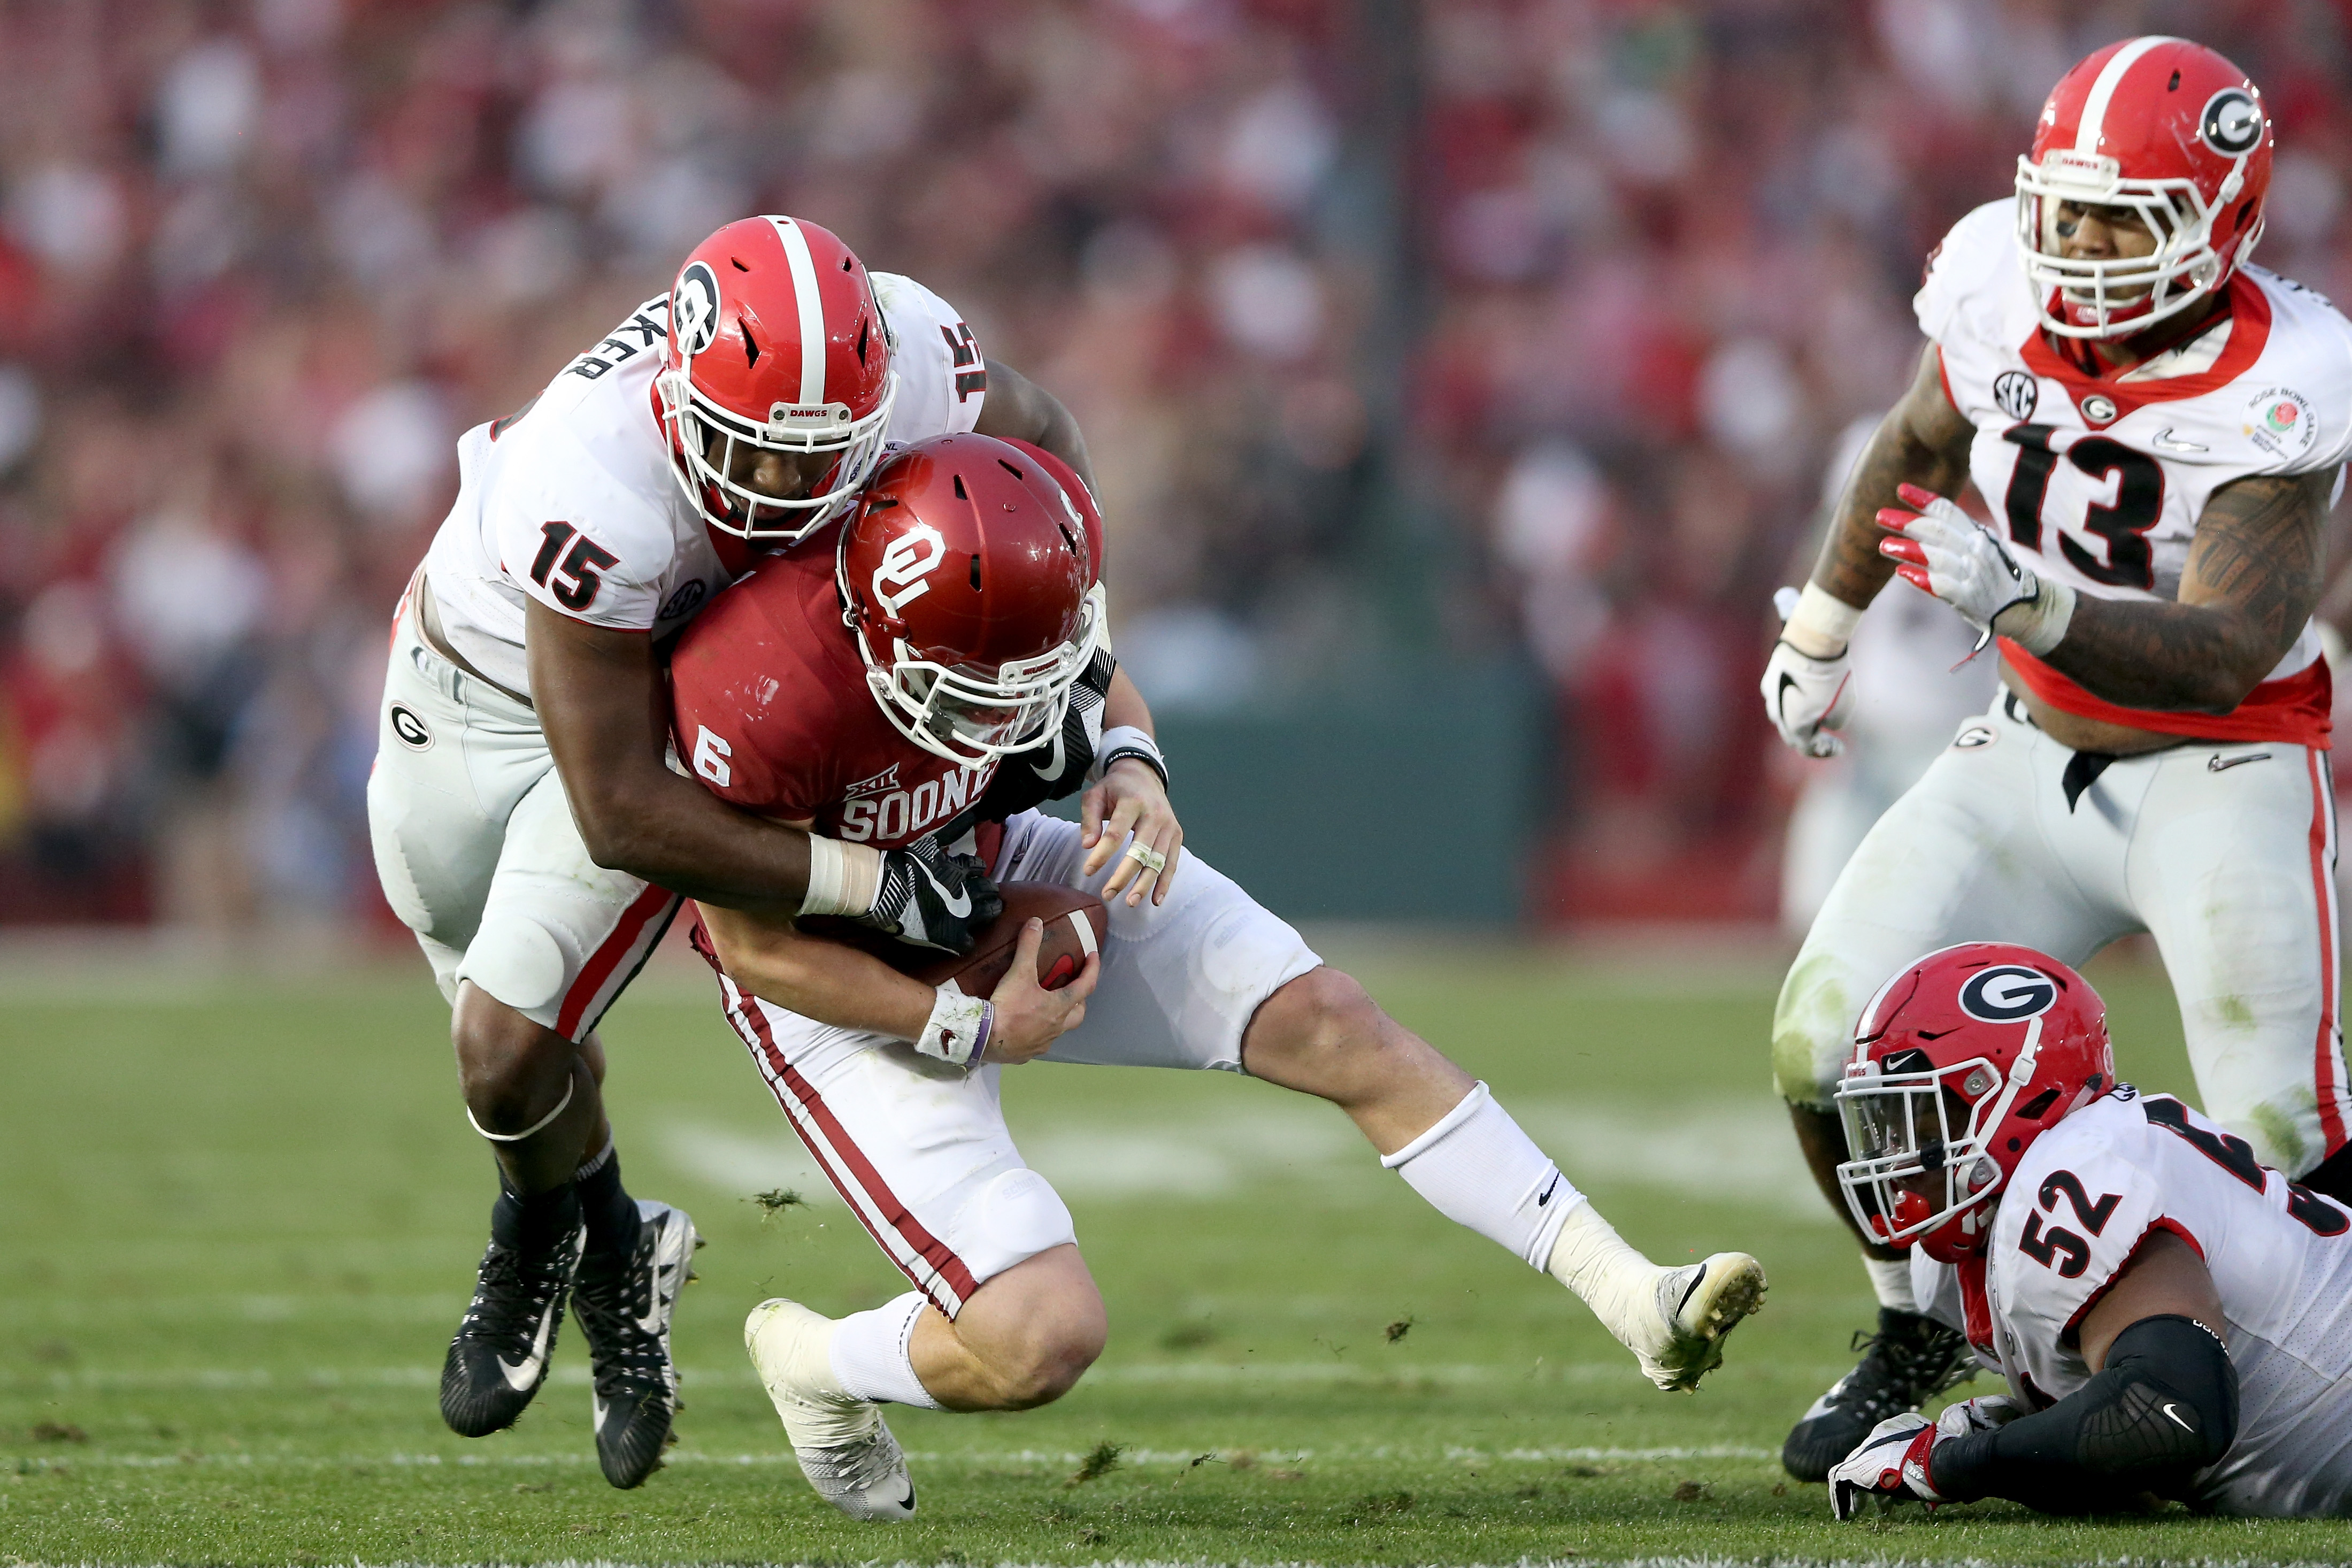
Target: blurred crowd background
(1512,333)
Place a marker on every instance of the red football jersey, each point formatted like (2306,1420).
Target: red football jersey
(770,710)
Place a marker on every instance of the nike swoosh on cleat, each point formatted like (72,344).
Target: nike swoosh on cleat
(1780,698)
(599,1400)
(2177,1421)
(958,906)
(1696,1280)
(522,1376)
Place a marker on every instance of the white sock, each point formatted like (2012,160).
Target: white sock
(1892,1281)
(1610,1276)
(1477,1168)
(869,1354)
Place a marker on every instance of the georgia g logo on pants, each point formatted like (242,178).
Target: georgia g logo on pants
(2008,993)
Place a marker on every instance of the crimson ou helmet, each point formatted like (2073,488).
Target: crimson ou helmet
(776,345)
(2171,130)
(1959,1063)
(968,575)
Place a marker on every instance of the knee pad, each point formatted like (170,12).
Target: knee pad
(1812,1032)
(1015,1215)
(518,961)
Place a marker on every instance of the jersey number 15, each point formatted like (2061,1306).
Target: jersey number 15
(577,581)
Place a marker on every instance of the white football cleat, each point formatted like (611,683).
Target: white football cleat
(1696,1305)
(845,1449)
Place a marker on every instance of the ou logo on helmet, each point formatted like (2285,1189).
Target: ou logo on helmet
(906,561)
(693,308)
(2232,122)
(2008,993)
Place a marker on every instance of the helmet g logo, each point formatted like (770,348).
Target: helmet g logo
(2008,993)
(693,308)
(905,563)
(2231,124)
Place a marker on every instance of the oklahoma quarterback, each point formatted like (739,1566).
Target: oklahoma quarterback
(525,824)
(950,661)
(2156,426)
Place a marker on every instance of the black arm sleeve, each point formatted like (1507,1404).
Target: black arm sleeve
(1054,767)
(2165,1406)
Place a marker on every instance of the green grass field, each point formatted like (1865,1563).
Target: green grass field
(238,1216)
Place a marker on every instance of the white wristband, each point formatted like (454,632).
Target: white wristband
(958,1028)
(2039,625)
(843,878)
(1822,624)
(1127,740)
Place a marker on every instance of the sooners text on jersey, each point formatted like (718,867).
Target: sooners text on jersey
(572,503)
(2098,480)
(771,710)
(2086,1196)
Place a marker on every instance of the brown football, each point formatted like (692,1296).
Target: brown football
(1075,922)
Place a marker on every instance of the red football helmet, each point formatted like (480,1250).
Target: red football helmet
(966,571)
(2171,130)
(776,343)
(1959,1062)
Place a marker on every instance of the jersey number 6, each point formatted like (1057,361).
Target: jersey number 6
(577,581)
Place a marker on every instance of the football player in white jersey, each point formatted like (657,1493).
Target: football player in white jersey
(526,824)
(2158,429)
(2173,1318)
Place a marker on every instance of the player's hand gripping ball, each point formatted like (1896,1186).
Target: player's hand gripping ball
(1076,923)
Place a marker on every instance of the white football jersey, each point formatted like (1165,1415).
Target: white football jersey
(2098,480)
(573,501)
(2086,1194)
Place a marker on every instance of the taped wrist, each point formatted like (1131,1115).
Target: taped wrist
(959,1028)
(843,878)
(2165,1406)
(1822,624)
(2038,624)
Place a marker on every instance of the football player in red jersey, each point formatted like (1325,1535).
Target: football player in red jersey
(2159,428)
(945,671)
(2173,1318)
(525,826)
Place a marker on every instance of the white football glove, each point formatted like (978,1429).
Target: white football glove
(1943,551)
(1808,697)
(1892,1463)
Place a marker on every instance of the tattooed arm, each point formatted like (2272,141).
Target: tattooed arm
(2254,574)
(1924,441)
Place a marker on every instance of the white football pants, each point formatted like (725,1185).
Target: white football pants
(479,857)
(2225,854)
(920,1149)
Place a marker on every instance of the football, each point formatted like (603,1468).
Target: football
(1074,921)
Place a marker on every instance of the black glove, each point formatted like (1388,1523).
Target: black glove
(932,897)
(1054,767)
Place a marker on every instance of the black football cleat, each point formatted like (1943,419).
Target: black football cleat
(625,1306)
(1910,1360)
(499,1358)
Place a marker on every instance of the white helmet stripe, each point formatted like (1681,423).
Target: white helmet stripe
(804,265)
(2111,75)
